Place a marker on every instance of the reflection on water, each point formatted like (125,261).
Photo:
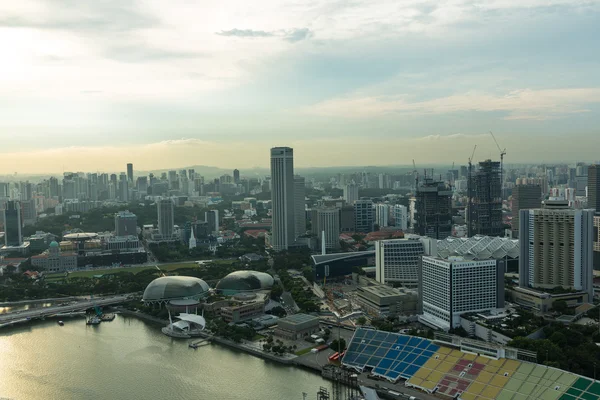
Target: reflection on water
(128,359)
(23,307)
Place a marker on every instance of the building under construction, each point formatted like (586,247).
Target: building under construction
(433,209)
(485,203)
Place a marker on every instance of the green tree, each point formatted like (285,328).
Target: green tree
(560,306)
(338,345)
(361,320)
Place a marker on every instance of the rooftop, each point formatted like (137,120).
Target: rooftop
(299,318)
(386,291)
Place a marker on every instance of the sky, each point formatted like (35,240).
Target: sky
(92,85)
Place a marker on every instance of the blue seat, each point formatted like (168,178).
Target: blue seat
(381,351)
(420,361)
(414,341)
(428,353)
(400,367)
(424,344)
(379,371)
(392,354)
(402,340)
(385,364)
(393,375)
(350,357)
(410,358)
(410,371)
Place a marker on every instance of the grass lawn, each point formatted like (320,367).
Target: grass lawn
(304,351)
(135,270)
(257,337)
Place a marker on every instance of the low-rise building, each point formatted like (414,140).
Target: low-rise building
(239,312)
(542,301)
(383,300)
(53,260)
(297,326)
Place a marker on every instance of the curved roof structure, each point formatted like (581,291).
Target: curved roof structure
(245,281)
(193,318)
(479,246)
(168,288)
(80,236)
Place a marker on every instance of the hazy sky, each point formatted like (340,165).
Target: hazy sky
(91,85)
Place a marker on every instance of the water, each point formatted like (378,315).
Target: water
(24,307)
(129,359)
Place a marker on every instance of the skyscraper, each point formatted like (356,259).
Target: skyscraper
(364,216)
(123,193)
(327,219)
(236,176)
(166,221)
(401,216)
(130,173)
(299,206)
(524,197)
(556,247)
(593,187)
(12,224)
(125,223)
(397,261)
(282,198)
(382,214)
(485,206)
(350,194)
(433,209)
(212,218)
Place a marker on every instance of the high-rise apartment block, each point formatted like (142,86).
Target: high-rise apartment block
(556,247)
(125,223)
(433,209)
(212,219)
(382,214)
(485,205)
(400,216)
(282,198)
(12,224)
(166,218)
(364,216)
(299,206)
(347,219)
(593,187)
(456,286)
(524,197)
(326,220)
(397,261)
(350,193)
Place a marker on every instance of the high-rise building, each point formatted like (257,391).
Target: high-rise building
(364,216)
(556,247)
(282,198)
(382,214)
(450,288)
(130,173)
(212,218)
(524,197)
(29,213)
(400,216)
(327,219)
(347,218)
(123,193)
(142,185)
(125,223)
(236,176)
(593,187)
(350,193)
(596,242)
(299,206)
(485,207)
(166,218)
(12,224)
(397,261)
(433,209)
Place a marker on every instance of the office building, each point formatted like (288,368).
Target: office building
(142,185)
(236,176)
(166,215)
(125,223)
(350,193)
(596,255)
(556,248)
(456,286)
(382,215)
(53,260)
(212,219)
(13,224)
(397,261)
(524,197)
(123,192)
(29,213)
(130,173)
(400,216)
(347,219)
(299,206)
(364,216)
(433,209)
(384,301)
(593,187)
(282,198)
(327,220)
(485,207)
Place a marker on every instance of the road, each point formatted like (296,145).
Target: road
(42,312)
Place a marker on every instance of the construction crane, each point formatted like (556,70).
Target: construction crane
(470,196)
(502,154)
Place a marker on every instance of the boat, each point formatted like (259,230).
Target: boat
(95,320)
(107,317)
(61,323)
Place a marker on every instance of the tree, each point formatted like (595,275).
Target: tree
(560,306)
(361,320)
(278,312)
(10,269)
(338,345)
(276,292)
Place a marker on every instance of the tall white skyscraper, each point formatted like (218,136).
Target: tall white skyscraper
(282,198)
(350,193)
(400,216)
(382,214)
(299,206)
(166,220)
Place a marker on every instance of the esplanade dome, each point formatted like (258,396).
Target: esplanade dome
(168,288)
(245,281)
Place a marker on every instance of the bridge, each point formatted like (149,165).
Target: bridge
(22,316)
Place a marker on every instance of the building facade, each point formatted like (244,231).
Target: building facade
(350,194)
(364,216)
(384,301)
(397,261)
(524,197)
(299,206)
(13,235)
(401,217)
(297,326)
(282,198)
(484,216)
(556,248)
(211,217)
(457,286)
(125,223)
(433,209)
(382,214)
(53,260)
(166,221)
(327,220)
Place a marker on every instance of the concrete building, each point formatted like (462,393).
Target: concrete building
(130,173)
(297,326)
(540,301)
(29,213)
(364,216)
(457,286)
(282,198)
(350,193)
(53,260)
(384,301)
(125,223)
(166,215)
(242,311)
(236,176)
(397,261)
(12,224)
(347,219)
(382,214)
(400,216)
(327,219)
(596,255)
(299,206)
(524,197)
(433,209)
(484,215)
(593,194)
(556,248)
(212,219)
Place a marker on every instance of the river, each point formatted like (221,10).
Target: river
(129,359)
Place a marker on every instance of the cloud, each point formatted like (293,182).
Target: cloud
(290,35)
(525,104)
(140,53)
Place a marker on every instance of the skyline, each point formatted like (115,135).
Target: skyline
(366,83)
